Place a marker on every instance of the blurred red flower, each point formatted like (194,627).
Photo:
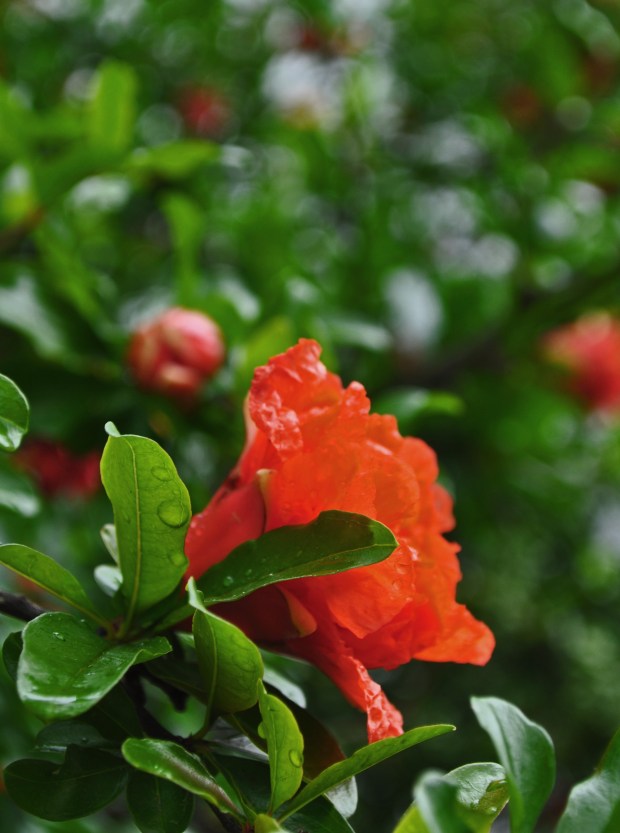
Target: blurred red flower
(589,350)
(312,445)
(205,111)
(57,471)
(176,352)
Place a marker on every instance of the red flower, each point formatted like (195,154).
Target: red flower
(176,352)
(57,471)
(312,446)
(204,110)
(589,349)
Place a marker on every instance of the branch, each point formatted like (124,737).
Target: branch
(19,607)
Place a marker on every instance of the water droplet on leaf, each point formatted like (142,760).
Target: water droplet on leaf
(228,581)
(161,473)
(59,636)
(178,559)
(294,757)
(172,513)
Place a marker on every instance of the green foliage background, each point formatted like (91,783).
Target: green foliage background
(426,189)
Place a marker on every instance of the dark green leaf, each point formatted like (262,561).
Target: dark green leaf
(14,414)
(65,668)
(157,805)
(334,542)
(436,800)
(594,805)
(482,793)
(285,746)
(180,674)
(230,664)
(114,717)
(112,108)
(525,751)
(361,760)
(57,736)
(11,650)
(88,780)
(168,760)
(151,514)
(50,576)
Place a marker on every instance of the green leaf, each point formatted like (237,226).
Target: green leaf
(65,668)
(482,793)
(174,161)
(11,650)
(361,760)
(266,824)
(58,736)
(17,494)
(88,780)
(157,805)
(112,108)
(14,414)
(285,745)
(334,542)
(594,805)
(466,800)
(181,674)
(187,225)
(168,760)
(230,664)
(50,576)
(115,717)
(436,800)
(526,752)
(151,514)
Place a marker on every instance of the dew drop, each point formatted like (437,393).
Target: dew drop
(59,636)
(247,573)
(294,757)
(161,473)
(172,513)
(228,581)
(178,559)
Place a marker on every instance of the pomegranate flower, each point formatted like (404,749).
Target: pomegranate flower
(176,352)
(312,445)
(589,349)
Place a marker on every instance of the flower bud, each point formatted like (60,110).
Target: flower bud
(176,352)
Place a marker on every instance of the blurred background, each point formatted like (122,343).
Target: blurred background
(428,190)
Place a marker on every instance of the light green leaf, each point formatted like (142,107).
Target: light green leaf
(112,108)
(88,780)
(267,824)
(334,542)
(50,576)
(526,752)
(168,760)
(482,793)
(361,760)
(285,745)
(151,514)
(65,668)
(230,664)
(14,414)
(17,494)
(158,805)
(174,161)
(594,805)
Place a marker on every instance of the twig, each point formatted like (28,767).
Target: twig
(19,607)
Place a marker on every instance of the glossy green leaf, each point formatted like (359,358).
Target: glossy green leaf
(334,542)
(594,805)
(50,576)
(230,664)
(11,650)
(168,760)
(151,513)
(361,760)
(65,668)
(59,735)
(14,415)
(158,805)
(436,800)
(112,108)
(482,793)
(526,752)
(285,746)
(88,780)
